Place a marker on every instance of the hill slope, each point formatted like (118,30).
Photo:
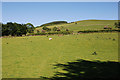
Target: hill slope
(84,25)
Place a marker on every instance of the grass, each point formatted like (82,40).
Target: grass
(84,25)
(34,56)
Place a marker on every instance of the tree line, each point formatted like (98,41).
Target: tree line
(15,29)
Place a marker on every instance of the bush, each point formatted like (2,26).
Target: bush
(67,29)
(117,24)
(58,29)
(55,29)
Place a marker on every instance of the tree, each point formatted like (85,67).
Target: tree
(48,29)
(55,29)
(21,29)
(24,29)
(30,27)
(45,28)
(0,29)
(14,29)
(5,30)
(116,25)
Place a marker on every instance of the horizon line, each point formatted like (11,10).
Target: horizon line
(61,20)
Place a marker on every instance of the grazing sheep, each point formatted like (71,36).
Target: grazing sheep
(50,38)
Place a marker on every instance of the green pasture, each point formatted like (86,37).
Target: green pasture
(34,56)
(84,25)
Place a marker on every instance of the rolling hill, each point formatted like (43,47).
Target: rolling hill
(83,25)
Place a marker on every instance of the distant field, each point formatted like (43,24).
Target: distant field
(85,25)
(34,56)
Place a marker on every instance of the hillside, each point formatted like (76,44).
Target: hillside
(53,23)
(84,25)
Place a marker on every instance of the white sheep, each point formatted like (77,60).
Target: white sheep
(50,38)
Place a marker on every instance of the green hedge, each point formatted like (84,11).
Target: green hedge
(52,33)
(92,31)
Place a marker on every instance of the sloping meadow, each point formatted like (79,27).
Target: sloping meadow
(34,56)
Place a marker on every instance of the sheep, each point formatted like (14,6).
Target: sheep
(50,38)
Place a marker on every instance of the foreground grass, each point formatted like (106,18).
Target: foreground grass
(34,56)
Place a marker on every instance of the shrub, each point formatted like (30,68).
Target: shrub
(91,31)
(38,31)
(55,29)
(67,30)
(58,29)
(45,28)
(117,24)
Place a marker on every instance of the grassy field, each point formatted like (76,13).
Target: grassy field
(34,56)
(84,25)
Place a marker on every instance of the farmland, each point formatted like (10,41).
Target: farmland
(84,25)
(34,56)
(54,40)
